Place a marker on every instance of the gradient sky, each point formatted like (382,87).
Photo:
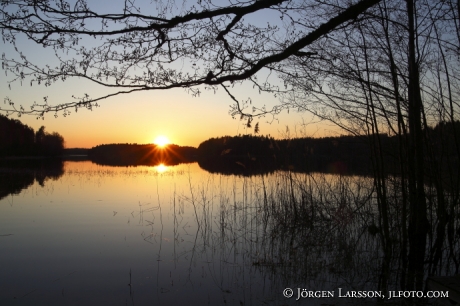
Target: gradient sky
(141,117)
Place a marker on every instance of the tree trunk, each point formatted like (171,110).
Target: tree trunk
(418,223)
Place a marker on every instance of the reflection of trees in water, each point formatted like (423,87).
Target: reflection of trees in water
(16,175)
(250,166)
(243,165)
(12,182)
(314,231)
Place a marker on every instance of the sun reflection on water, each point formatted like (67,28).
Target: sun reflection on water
(161,168)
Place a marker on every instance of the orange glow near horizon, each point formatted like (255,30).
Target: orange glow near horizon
(161,141)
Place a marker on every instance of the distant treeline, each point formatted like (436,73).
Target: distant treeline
(245,154)
(343,154)
(141,154)
(17,139)
(249,154)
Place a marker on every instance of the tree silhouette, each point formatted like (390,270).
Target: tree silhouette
(218,44)
(17,139)
(395,72)
(48,144)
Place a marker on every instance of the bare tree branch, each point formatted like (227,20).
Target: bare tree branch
(140,52)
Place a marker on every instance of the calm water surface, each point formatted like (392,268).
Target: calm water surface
(85,234)
(102,235)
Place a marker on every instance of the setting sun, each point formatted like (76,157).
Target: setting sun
(161,141)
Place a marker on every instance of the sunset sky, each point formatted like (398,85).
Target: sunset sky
(141,117)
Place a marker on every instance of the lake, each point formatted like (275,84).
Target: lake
(79,233)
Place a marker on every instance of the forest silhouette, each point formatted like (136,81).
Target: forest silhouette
(232,155)
(251,155)
(237,155)
(18,139)
(141,154)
